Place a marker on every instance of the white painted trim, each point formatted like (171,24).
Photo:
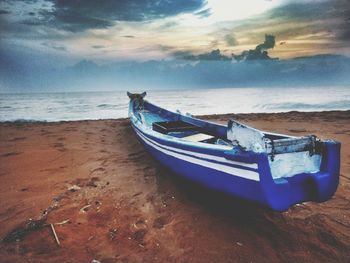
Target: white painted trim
(246,174)
(203,155)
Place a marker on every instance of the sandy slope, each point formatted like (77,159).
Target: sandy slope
(136,211)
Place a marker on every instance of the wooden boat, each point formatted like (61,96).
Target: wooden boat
(272,169)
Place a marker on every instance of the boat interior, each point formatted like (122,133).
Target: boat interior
(182,129)
(194,130)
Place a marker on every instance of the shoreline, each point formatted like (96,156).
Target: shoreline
(121,205)
(220,115)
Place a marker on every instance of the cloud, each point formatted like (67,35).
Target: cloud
(54,46)
(260,52)
(31,22)
(74,21)
(73,15)
(344,34)
(4,12)
(145,29)
(331,15)
(306,28)
(180,54)
(167,25)
(98,46)
(213,55)
(204,13)
(230,40)
(156,47)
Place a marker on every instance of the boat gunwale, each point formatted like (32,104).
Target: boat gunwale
(218,124)
(171,139)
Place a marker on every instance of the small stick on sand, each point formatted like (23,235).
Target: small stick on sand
(63,222)
(55,235)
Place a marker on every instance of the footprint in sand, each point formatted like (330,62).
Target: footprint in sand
(17,139)
(70,129)
(160,222)
(139,235)
(98,170)
(10,154)
(58,145)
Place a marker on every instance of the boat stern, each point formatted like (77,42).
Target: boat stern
(319,186)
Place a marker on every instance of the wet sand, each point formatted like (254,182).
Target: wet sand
(122,206)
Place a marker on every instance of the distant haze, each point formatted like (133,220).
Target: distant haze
(322,70)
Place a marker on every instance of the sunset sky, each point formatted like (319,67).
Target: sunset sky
(108,30)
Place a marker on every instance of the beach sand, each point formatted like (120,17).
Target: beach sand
(122,206)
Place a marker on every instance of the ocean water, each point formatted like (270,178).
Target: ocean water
(111,105)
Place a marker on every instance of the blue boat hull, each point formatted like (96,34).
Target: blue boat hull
(245,176)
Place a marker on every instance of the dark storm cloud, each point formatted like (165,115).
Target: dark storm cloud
(260,51)
(75,15)
(31,22)
(180,54)
(78,15)
(73,21)
(333,15)
(214,55)
(344,34)
(4,12)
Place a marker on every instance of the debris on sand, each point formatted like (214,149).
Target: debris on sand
(74,188)
(84,209)
(30,225)
(55,235)
(112,234)
(23,230)
(92,182)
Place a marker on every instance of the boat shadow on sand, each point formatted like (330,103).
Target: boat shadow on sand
(301,228)
(215,203)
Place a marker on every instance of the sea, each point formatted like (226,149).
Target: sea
(71,106)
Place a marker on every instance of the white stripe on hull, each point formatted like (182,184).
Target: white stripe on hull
(206,156)
(247,174)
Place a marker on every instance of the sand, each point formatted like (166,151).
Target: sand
(122,206)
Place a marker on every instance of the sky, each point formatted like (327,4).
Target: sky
(72,45)
(108,30)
